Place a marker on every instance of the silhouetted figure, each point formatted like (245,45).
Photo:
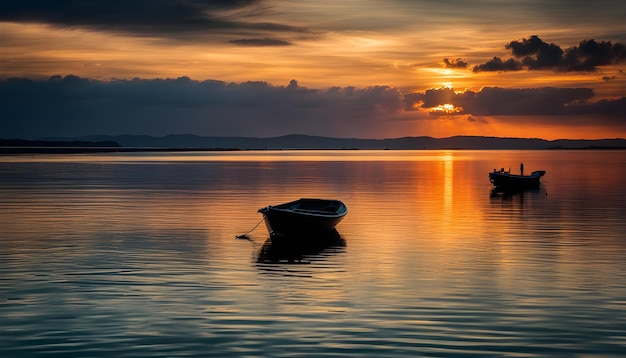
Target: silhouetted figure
(521,168)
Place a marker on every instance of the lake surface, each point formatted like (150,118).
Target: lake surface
(135,255)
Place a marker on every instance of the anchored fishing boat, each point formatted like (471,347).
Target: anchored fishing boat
(305,216)
(504,179)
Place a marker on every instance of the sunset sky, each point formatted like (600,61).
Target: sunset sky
(366,69)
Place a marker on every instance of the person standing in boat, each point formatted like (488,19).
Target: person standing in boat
(521,168)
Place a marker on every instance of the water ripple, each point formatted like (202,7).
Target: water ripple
(136,257)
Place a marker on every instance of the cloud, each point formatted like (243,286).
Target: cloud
(496,64)
(535,54)
(495,101)
(260,42)
(75,106)
(183,20)
(454,63)
(71,106)
(620,73)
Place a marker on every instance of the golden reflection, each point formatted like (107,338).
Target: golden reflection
(230,156)
(412,213)
(448,184)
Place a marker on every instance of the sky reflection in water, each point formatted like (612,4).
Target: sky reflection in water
(135,255)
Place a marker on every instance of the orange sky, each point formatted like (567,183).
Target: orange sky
(397,44)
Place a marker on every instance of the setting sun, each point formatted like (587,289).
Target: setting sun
(446,109)
(262,68)
(143,144)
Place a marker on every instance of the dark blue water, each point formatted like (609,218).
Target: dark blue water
(134,255)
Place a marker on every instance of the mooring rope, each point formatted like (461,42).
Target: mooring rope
(242,236)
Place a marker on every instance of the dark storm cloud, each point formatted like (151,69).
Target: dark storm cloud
(161,18)
(535,54)
(494,101)
(72,106)
(454,63)
(496,64)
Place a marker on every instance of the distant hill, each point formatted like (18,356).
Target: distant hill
(57,143)
(24,146)
(315,142)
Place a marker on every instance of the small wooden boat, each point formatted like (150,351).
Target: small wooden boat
(504,179)
(304,216)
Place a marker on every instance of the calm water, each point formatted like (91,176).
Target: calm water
(134,255)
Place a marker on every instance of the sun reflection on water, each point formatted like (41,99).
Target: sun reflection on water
(135,250)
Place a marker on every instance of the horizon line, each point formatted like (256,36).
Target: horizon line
(317,136)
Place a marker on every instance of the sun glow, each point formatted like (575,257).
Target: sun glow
(446,108)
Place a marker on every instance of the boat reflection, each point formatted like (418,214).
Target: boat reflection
(506,193)
(518,200)
(300,249)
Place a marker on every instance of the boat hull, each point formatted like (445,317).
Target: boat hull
(507,180)
(303,217)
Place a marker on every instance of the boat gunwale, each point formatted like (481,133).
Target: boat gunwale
(306,212)
(534,175)
(342,210)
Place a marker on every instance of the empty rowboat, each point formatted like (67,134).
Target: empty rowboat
(306,216)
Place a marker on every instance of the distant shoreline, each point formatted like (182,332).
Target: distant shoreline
(190,143)
(95,150)
(88,150)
